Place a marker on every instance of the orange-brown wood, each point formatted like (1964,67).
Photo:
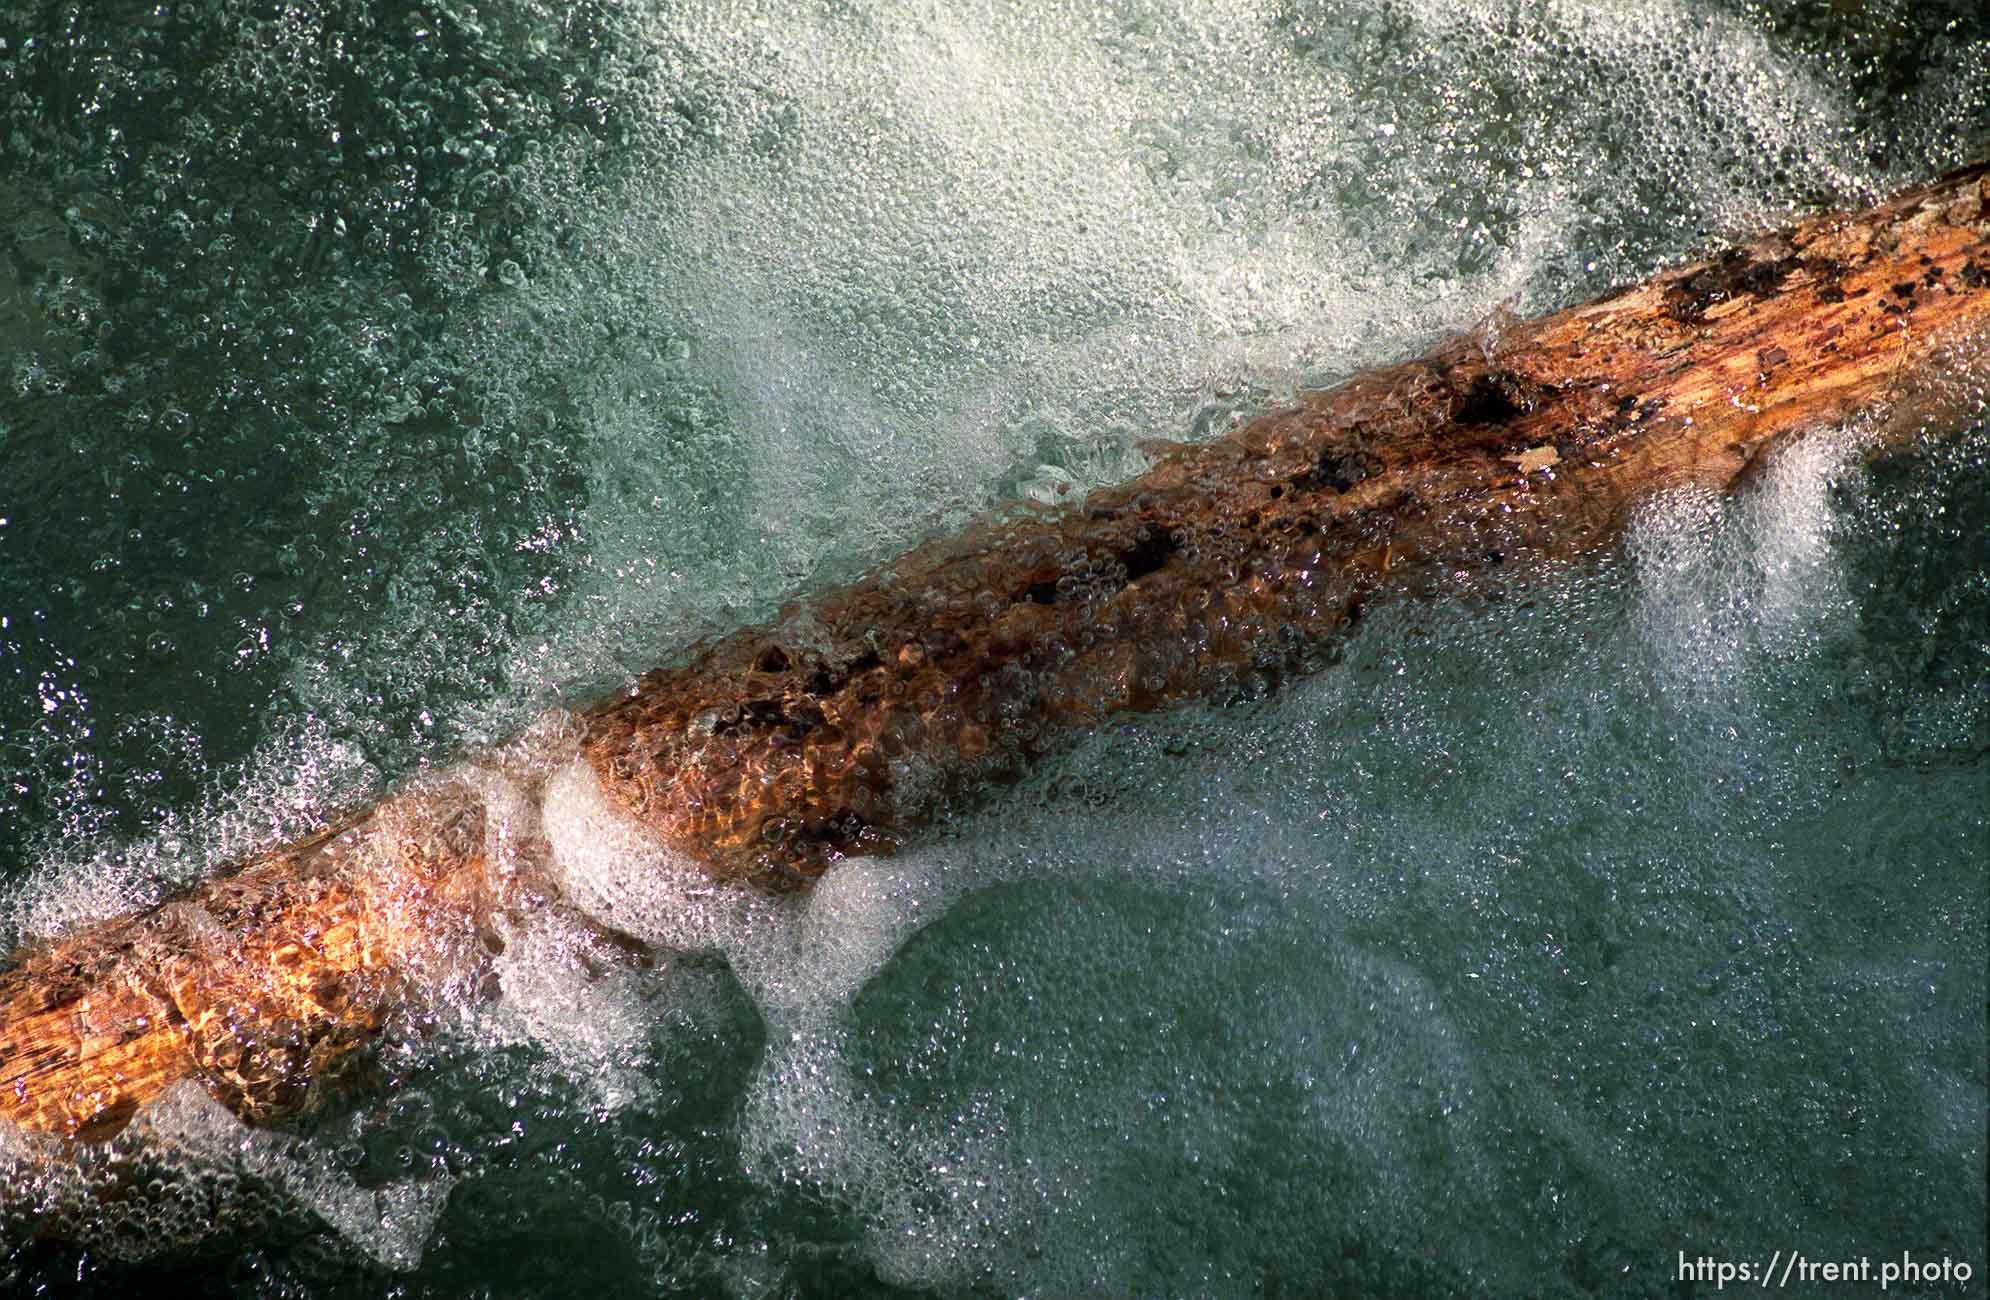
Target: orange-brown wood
(260,985)
(850,719)
(856,715)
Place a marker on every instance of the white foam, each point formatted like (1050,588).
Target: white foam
(300,776)
(1059,1061)
(609,867)
(1722,579)
(875,269)
(1797,589)
(800,958)
(185,1166)
(390,1224)
(590,1011)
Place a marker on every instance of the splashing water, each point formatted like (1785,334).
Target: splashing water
(372,382)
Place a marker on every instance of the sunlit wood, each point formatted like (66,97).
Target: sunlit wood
(856,715)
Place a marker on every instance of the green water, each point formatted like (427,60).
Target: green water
(372,377)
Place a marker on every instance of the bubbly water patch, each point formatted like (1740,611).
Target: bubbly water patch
(391,1224)
(993,250)
(1722,578)
(1032,1095)
(253,475)
(1955,1109)
(186,1168)
(1540,917)
(301,777)
(1801,597)
(1715,138)
(122,1199)
(613,870)
(852,923)
(592,1015)
(587,332)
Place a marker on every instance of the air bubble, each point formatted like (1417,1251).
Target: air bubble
(728,301)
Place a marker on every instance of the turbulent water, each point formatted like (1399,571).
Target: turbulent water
(373,377)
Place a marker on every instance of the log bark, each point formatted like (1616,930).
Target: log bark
(855,716)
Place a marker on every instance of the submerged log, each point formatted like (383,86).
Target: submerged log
(856,715)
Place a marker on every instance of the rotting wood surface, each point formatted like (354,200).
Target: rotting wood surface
(856,715)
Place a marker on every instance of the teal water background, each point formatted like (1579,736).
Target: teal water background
(372,377)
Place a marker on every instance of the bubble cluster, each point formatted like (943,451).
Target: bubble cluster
(240,426)
(369,380)
(1600,874)
(996,251)
(188,1171)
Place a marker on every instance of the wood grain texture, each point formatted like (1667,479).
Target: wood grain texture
(779,749)
(855,716)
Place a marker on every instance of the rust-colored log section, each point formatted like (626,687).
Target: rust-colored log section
(858,714)
(260,984)
(780,748)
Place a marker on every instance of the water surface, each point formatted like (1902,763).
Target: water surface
(371,380)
